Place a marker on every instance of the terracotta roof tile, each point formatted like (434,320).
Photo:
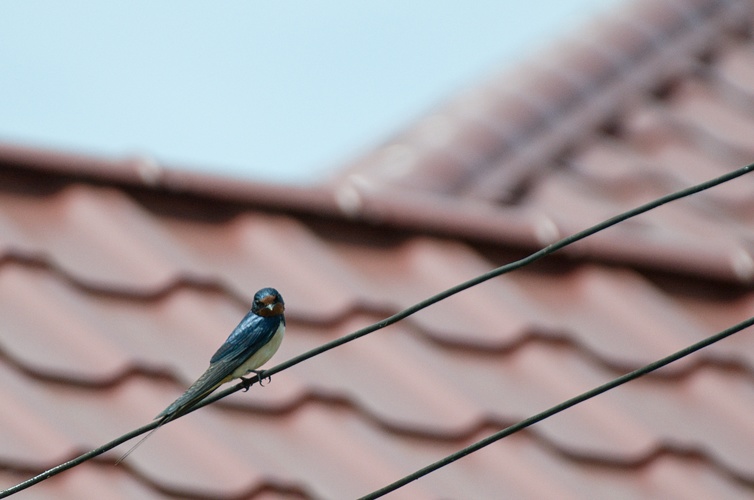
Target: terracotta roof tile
(41,317)
(88,228)
(119,279)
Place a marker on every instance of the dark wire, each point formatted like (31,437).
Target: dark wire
(558,408)
(393,319)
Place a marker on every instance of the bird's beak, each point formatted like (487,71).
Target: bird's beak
(275,308)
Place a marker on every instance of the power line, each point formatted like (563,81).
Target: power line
(395,318)
(558,408)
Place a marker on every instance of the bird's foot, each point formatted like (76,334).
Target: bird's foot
(262,377)
(247,382)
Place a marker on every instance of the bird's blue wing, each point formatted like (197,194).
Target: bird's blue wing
(252,333)
(204,385)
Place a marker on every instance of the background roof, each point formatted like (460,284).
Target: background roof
(119,279)
(231,87)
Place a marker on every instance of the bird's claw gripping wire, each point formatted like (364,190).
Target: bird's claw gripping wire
(260,377)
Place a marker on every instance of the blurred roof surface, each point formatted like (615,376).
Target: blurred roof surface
(119,279)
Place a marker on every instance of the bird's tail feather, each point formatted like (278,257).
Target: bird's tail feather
(139,443)
(206,384)
(199,390)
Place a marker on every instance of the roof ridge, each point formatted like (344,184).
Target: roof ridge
(525,115)
(142,171)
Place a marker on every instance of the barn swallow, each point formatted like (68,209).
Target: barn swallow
(250,345)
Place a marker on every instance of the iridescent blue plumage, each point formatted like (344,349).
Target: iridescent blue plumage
(250,345)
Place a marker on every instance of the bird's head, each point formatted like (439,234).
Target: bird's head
(268,302)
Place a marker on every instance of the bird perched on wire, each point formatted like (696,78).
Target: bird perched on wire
(250,345)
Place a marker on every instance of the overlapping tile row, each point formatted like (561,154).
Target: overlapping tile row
(619,119)
(90,352)
(110,304)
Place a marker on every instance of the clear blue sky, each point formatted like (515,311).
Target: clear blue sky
(281,91)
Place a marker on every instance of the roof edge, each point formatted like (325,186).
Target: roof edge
(351,202)
(138,171)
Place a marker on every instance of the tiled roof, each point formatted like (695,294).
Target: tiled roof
(119,279)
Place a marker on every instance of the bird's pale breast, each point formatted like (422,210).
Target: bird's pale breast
(262,355)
